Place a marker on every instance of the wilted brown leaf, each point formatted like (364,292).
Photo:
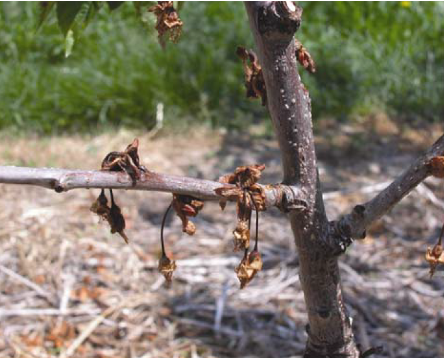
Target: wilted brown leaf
(113,215)
(437,166)
(254,78)
(250,265)
(304,58)
(166,268)
(116,220)
(168,21)
(187,206)
(243,177)
(100,206)
(248,195)
(434,256)
(126,161)
(241,235)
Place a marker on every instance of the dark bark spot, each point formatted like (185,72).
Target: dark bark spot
(324,313)
(359,210)
(277,18)
(57,187)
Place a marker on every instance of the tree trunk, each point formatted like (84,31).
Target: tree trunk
(329,331)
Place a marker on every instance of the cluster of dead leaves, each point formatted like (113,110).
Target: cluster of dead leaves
(250,265)
(168,21)
(254,78)
(127,161)
(435,256)
(241,186)
(248,195)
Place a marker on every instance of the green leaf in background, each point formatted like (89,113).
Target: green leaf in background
(178,5)
(69,42)
(113,5)
(66,13)
(45,8)
(93,8)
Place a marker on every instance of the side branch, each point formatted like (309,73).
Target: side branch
(354,224)
(60,180)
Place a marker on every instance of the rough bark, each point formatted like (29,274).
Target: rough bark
(273,25)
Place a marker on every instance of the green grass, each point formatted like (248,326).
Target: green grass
(369,55)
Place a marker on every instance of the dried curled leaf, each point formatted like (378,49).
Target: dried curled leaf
(250,265)
(187,206)
(100,206)
(113,215)
(248,195)
(167,267)
(244,176)
(168,21)
(127,161)
(434,256)
(117,221)
(304,58)
(437,166)
(254,78)
(241,235)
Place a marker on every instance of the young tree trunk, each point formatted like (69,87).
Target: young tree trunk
(319,242)
(329,331)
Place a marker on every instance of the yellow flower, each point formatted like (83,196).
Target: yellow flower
(406,3)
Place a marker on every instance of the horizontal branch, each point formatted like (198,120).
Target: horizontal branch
(60,180)
(354,224)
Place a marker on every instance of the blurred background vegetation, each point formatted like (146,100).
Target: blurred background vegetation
(384,56)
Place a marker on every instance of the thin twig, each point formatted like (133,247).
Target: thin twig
(24,281)
(62,180)
(355,223)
